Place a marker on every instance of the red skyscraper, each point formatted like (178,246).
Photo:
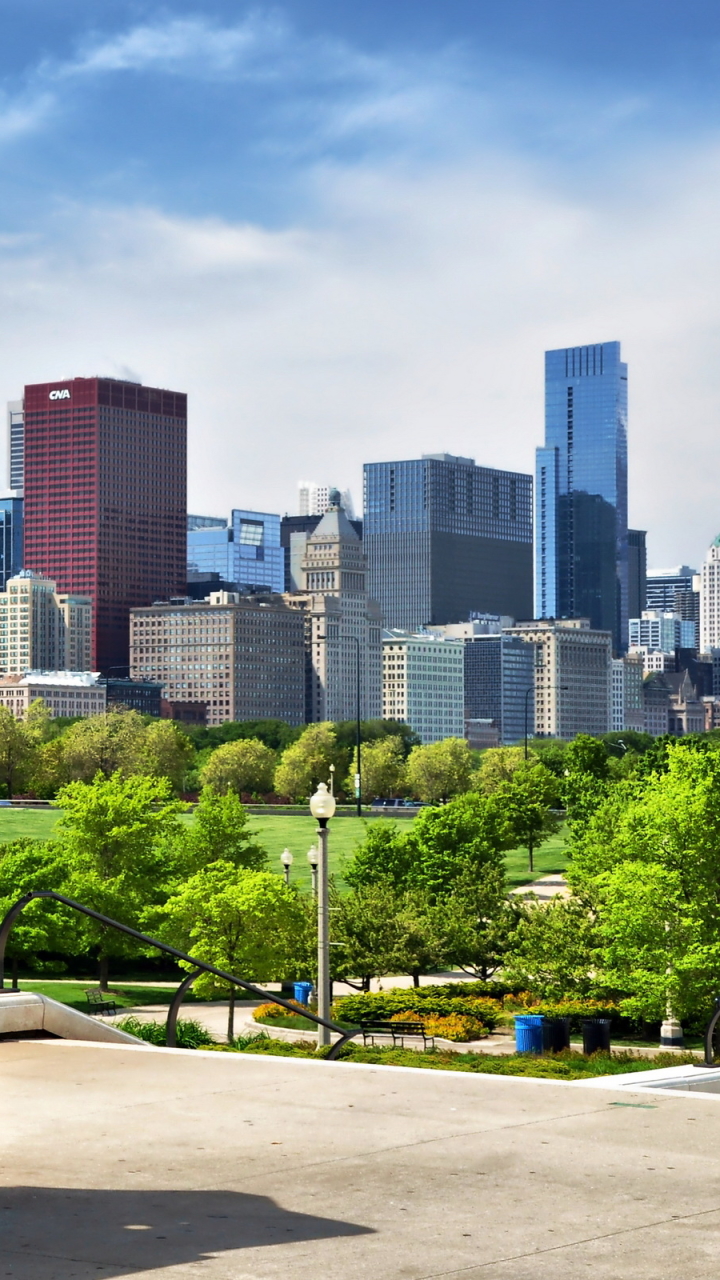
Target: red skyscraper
(105,498)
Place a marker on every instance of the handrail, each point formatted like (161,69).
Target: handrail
(14,912)
(708,1040)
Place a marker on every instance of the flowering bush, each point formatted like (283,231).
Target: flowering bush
(456,1026)
(275,1013)
(418,1002)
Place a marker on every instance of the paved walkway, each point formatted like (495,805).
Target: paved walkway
(544,889)
(127,1163)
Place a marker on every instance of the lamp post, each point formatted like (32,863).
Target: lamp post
(287,860)
(530,689)
(322,807)
(313,858)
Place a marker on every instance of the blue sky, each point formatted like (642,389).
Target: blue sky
(350,230)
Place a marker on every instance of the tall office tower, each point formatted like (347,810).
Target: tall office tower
(342,625)
(666,631)
(105,499)
(581,534)
(11,537)
(423,683)
(637,572)
(499,677)
(41,630)
(573,676)
(242,657)
(710,598)
(445,539)
(315,499)
(244,551)
(15,444)
(294,533)
(676,590)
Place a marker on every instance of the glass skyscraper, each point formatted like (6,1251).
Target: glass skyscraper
(581,535)
(445,538)
(11,538)
(246,552)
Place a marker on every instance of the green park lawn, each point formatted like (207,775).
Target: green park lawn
(297,833)
(72,992)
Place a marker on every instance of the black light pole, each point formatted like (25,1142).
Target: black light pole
(528,691)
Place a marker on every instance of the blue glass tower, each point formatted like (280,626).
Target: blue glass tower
(581,533)
(245,552)
(11,538)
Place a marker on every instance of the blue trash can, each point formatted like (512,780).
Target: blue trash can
(529,1033)
(301,992)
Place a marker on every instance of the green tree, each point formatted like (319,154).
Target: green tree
(166,752)
(440,770)
(374,731)
(246,765)
(383,768)
(554,951)
(245,922)
(42,926)
(364,931)
(528,799)
(478,921)
(384,855)
(307,762)
(16,745)
(420,943)
(104,744)
(587,755)
(219,833)
(498,765)
(114,834)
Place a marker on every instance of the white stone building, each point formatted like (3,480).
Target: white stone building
(424,683)
(41,630)
(573,676)
(65,693)
(709,583)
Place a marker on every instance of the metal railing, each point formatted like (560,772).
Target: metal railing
(199,967)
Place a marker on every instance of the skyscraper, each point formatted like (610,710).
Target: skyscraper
(105,498)
(637,572)
(11,537)
(676,590)
(15,444)
(581,539)
(445,538)
(245,551)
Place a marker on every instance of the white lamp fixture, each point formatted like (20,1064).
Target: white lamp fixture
(322,804)
(313,857)
(286,858)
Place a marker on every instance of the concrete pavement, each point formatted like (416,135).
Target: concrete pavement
(128,1162)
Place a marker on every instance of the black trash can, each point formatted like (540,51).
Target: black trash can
(596,1035)
(556,1035)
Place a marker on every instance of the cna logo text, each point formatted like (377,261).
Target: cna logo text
(60,395)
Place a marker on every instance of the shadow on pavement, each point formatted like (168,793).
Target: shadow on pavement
(61,1233)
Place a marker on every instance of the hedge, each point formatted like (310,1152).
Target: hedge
(419,1000)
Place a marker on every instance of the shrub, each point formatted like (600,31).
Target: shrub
(189,1033)
(275,1013)
(419,1002)
(456,1026)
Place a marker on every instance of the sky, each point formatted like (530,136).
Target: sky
(349,231)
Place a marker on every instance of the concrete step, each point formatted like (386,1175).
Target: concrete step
(27,1011)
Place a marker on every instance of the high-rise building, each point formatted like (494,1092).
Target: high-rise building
(499,676)
(423,683)
(342,625)
(710,598)
(16,445)
(42,630)
(244,551)
(315,499)
(677,591)
(445,539)
(242,657)
(573,676)
(628,711)
(294,533)
(637,572)
(581,539)
(656,630)
(105,498)
(11,536)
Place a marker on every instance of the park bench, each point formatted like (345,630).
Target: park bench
(99,1002)
(398,1031)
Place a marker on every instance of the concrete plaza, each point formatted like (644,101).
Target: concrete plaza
(132,1162)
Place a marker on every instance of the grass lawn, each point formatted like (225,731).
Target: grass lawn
(298,833)
(73,992)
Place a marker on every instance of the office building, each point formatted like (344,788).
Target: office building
(445,538)
(709,583)
(16,445)
(499,677)
(244,552)
(41,629)
(423,683)
(294,533)
(105,499)
(241,657)
(315,499)
(656,704)
(653,659)
(656,630)
(144,696)
(342,626)
(686,711)
(11,536)
(573,676)
(676,590)
(581,533)
(628,711)
(637,572)
(65,693)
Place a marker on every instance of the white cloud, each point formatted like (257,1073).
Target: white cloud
(193,45)
(408,314)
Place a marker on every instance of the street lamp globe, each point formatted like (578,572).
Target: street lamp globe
(286,858)
(313,857)
(322,804)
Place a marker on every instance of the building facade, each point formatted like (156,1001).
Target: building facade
(294,533)
(242,657)
(499,674)
(581,533)
(144,696)
(16,445)
(105,499)
(424,683)
(65,693)
(41,629)
(342,625)
(656,704)
(675,590)
(11,537)
(628,711)
(315,499)
(244,551)
(656,630)
(445,538)
(573,676)
(637,572)
(710,598)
